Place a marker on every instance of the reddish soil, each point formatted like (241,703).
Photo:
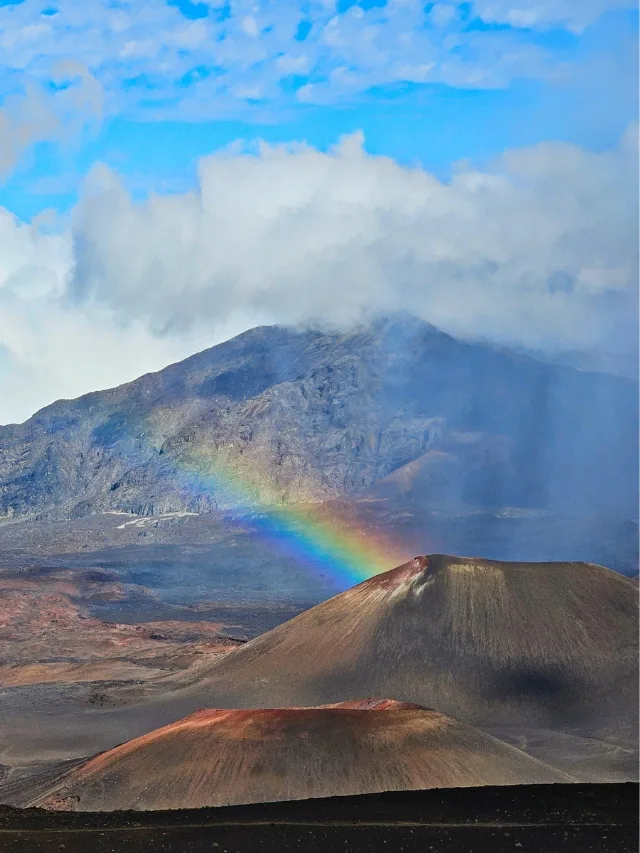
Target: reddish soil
(47,635)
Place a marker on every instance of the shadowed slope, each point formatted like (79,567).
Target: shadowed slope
(550,644)
(215,758)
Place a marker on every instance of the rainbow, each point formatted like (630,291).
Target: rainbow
(311,533)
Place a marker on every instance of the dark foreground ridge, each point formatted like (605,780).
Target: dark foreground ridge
(528,818)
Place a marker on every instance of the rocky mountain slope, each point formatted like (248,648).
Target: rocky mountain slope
(219,758)
(398,408)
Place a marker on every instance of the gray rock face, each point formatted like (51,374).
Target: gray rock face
(398,408)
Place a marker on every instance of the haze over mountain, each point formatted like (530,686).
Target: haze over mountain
(218,758)
(327,415)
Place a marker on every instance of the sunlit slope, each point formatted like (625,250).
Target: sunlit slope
(487,642)
(215,758)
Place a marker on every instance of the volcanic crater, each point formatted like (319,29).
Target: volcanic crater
(226,757)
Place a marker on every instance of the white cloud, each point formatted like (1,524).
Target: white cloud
(23,121)
(574,15)
(36,115)
(539,250)
(299,235)
(442,14)
(289,64)
(50,349)
(343,55)
(249,26)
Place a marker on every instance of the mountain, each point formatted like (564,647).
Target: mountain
(398,406)
(490,643)
(218,758)
(542,656)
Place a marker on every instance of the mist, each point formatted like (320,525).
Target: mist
(520,460)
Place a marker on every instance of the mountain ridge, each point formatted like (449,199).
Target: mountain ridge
(331,415)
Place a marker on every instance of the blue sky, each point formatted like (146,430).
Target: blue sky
(172,173)
(159,85)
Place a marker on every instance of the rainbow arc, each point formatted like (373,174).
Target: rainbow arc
(310,533)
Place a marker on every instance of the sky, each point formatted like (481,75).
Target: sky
(174,173)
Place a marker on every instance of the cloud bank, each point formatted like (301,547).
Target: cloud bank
(538,250)
(529,250)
